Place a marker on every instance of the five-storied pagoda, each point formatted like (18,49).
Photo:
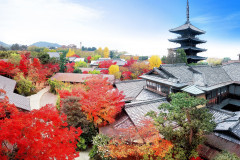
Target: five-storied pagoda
(188,40)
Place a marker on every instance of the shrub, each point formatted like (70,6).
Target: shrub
(80,64)
(25,87)
(77,70)
(94,72)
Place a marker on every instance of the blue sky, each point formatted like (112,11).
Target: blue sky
(139,27)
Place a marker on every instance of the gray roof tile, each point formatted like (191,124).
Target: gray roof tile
(137,110)
(146,94)
(131,88)
(20,101)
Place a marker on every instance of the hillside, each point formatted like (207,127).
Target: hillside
(4,44)
(45,44)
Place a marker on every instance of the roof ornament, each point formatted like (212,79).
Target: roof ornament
(188,12)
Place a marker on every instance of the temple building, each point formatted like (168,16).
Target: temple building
(188,40)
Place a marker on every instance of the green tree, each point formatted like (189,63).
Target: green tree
(184,121)
(226,59)
(15,58)
(181,56)
(44,58)
(63,61)
(77,70)
(25,87)
(80,64)
(226,156)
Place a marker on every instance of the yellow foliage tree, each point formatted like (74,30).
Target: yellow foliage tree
(113,69)
(70,53)
(106,52)
(214,61)
(100,51)
(155,61)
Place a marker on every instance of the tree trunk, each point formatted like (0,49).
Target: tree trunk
(191,130)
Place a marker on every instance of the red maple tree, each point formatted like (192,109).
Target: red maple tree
(6,109)
(89,59)
(39,134)
(127,75)
(130,62)
(106,64)
(70,67)
(6,69)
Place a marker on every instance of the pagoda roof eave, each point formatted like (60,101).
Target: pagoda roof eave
(185,27)
(187,39)
(196,57)
(191,48)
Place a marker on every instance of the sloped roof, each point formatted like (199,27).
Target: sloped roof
(20,101)
(187,26)
(213,75)
(192,90)
(233,70)
(191,48)
(146,94)
(120,62)
(196,57)
(182,39)
(131,88)
(180,71)
(228,124)
(79,78)
(137,110)
(54,54)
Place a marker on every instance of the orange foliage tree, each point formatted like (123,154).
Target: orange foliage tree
(99,100)
(124,144)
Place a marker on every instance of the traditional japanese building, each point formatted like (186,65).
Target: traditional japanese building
(188,39)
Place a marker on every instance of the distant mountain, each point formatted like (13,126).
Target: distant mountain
(46,44)
(4,44)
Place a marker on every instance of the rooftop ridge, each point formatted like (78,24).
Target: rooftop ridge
(129,81)
(145,102)
(221,110)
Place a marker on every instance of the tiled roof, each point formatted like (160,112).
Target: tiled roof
(131,88)
(54,54)
(233,70)
(228,124)
(120,62)
(137,110)
(145,94)
(220,115)
(20,101)
(187,26)
(192,90)
(79,78)
(180,71)
(213,75)
(191,48)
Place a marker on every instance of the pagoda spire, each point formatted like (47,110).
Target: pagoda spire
(188,12)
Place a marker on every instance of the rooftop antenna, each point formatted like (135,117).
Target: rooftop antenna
(188,12)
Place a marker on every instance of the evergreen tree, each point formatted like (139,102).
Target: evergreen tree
(184,122)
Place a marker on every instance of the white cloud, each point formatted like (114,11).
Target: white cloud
(27,21)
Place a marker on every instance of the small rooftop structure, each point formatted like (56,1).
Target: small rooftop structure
(120,62)
(54,54)
(79,78)
(193,90)
(20,101)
